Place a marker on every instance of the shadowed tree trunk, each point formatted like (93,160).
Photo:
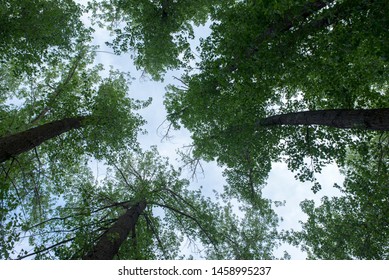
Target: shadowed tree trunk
(372,119)
(109,243)
(15,144)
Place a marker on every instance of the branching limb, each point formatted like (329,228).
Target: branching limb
(174,210)
(47,248)
(124,177)
(156,235)
(123,203)
(58,90)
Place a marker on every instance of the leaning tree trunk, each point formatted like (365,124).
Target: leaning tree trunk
(15,144)
(109,243)
(372,119)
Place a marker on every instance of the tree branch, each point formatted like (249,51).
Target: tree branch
(47,248)
(189,217)
(153,229)
(58,90)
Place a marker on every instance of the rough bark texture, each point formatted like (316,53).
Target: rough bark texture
(15,144)
(372,119)
(109,243)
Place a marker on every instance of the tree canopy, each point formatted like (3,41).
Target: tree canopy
(87,219)
(353,226)
(66,89)
(33,31)
(290,57)
(157,33)
(301,82)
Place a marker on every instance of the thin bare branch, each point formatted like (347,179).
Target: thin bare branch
(179,198)
(193,164)
(124,177)
(9,169)
(165,136)
(80,214)
(155,233)
(47,248)
(184,83)
(189,217)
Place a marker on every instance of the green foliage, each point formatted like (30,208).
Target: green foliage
(70,88)
(290,56)
(262,58)
(174,214)
(102,134)
(252,237)
(157,33)
(355,225)
(66,86)
(33,31)
(10,234)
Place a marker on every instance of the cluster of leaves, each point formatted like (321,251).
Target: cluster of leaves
(32,31)
(355,225)
(157,33)
(67,89)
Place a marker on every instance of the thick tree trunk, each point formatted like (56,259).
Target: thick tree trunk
(372,119)
(110,242)
(15,144)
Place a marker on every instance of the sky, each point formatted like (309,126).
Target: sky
(281,184)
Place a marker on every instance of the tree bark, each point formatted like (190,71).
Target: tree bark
(109,243)
(15,144)
(371,119)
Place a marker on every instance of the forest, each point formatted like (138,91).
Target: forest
(252,83)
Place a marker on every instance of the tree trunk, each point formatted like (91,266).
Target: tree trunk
(372,119)
(109,243)
(15,144)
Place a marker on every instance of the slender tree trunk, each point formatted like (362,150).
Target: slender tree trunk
(15,144)
(110,242)
(372,119)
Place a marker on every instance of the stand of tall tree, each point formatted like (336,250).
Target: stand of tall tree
(318,67)
(143,210)
(305,82)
